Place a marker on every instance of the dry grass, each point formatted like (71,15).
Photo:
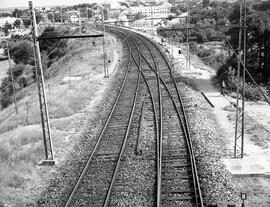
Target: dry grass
(21,146)
(257,189)
(257,134)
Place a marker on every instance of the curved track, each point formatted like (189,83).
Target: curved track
(177,182)
(93,187)
(177,177)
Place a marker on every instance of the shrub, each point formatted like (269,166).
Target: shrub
(55,48)
(22,52)
(252,93)
(202,52)
(6,92)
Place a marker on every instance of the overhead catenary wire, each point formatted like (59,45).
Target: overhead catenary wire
(250,116)
(251,77)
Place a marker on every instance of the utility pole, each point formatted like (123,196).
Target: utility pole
(45,120)
(12,79)
(188,36)
(240,108)
(106,74)
(61,14)
(53,18)
(80,24)
(152,23)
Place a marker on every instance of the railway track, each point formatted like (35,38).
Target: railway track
(177,177)
(94,186)
(177,182)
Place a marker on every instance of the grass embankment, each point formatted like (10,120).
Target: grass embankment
(71,102)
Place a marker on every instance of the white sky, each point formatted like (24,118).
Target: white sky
(38,3)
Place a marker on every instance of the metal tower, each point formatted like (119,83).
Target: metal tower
(240,108)
(45,121)
(188,36)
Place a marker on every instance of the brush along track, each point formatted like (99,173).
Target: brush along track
(177,177)
(93,188)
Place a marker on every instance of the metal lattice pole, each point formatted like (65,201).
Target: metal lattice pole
(188,37)
(45,121)
(12,79)
(105,58)
(240,108)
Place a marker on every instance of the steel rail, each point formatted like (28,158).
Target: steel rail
(75,188)
(187,136)
(159,141)
(180,118)
(187,129)
(185,126)
(107,200)
(158,127)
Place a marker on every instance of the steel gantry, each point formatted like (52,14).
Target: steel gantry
(44,112)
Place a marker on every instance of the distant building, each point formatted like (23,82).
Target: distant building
(74,18)
(114,12)
(146,23)
(162,10)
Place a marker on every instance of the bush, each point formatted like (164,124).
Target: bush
(252,93)
(55,48)
(22,52)
(6,100)
(6,92)
(202,52)
(228,73)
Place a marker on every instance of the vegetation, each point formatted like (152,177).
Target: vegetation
(258,50)
(21,51)
(258,40)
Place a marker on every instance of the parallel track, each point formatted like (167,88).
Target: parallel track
(177,177)
(177,182)
(94,185)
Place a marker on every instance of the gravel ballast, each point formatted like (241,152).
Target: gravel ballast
(217,182)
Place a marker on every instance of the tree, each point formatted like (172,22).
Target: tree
(26,22)
(258,44)
(262,6)
(17,23)
(17,13)
(137,16)
(22,52)
(53,47)
(6,92)
(18,74)
(7,27)
(206,3)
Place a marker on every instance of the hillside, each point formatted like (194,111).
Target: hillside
(74,90)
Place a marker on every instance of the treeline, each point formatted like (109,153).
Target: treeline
(258,41)
(257,53)
(22,53)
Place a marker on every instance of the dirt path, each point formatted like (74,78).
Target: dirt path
(252,172)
